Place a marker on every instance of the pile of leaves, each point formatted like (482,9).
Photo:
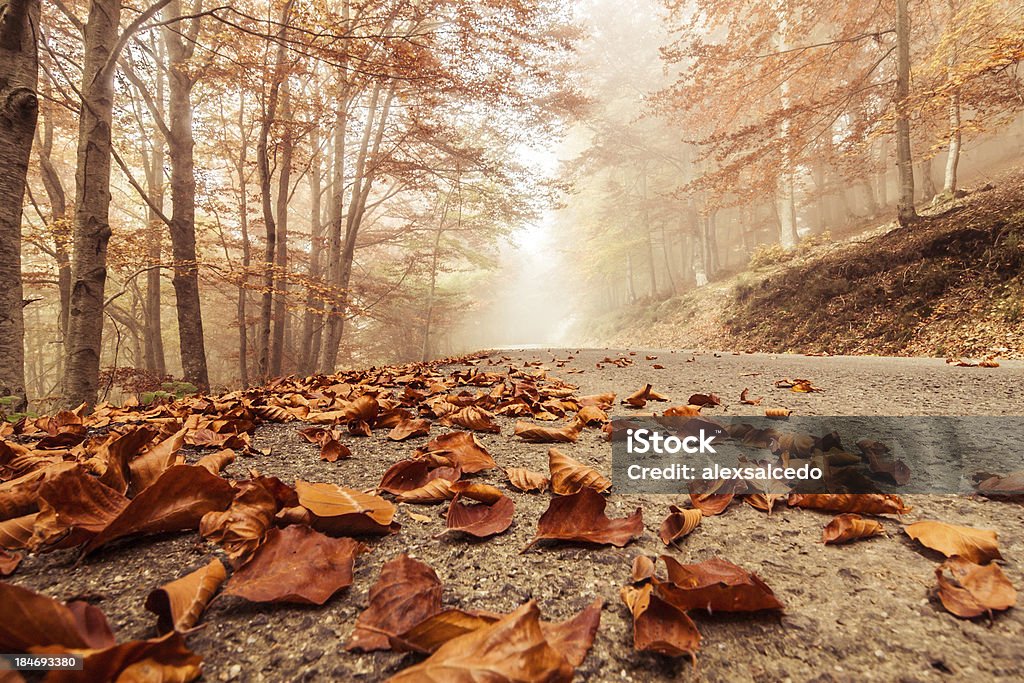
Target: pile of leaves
(81,481)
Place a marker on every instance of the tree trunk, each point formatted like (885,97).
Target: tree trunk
(19,108)
(243,211)
(312,316)
(192,343)
(281,256)
(329,353)
(953,155)
(92,206)
(59,223)
(904,161)
(787,212)
(154,339)
(269,221)
(927,184)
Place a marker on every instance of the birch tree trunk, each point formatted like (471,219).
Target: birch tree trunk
(953,155)
(19,108)
(904,161)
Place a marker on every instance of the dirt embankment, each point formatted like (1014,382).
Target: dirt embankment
(951,284)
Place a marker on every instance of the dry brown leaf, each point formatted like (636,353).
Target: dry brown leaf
(746,400)
(240,528)
(484,493)
(406,475)
(711,504)
(527,481)
(537,434)
(569,476)
(575,636)
(976,545)
(174,502)
(407,429)
(602,401)
(643,569)
(462,450)
(9,562)
(434,491)
(715,585)
(590,415)
(148,467)
(1010,486)
(972,589)
(333,450)
(30,620)
(472,417)
(513,648)
(659,626)
(864,503)
(406,593)
(166,659)
(344,512)
(480,520)
(216,462)
(849,527)
(682,411)
(296,565)
(435,631)
(777,412)
(15,533)
(639,398)
(179,604)
(704,400)
(679,523)
(580,517)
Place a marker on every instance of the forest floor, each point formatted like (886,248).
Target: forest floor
(858,612)
(950,284)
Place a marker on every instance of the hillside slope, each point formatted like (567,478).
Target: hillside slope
(951,284)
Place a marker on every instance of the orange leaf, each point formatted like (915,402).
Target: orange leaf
(179,604)
(977,545)
(850,527)
(569,476)
(580,517)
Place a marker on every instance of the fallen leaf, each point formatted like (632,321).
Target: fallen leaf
(216,462)
(484,493)
(777,412)
(166,659)
(711,504)
(174,502)
(240,528)
(179,604)
(590,415)
(602,401)
(472,417)
(704,400)
(29,620)
(1011,485)
(575,636)
(513,648)
(569,476)
(406,475)
(849,527)
(406,593)
(9,562)
(638,399)
(339,511)
(679,523)
(643,569)
(580,517)
(977,545)
(462,449)
(865,503)
(972,589)
(537,434)
(526,480)
(433,632)
(659,626)
(333,450)
(407,429)
(682,411)
(480,520)
(434,491)
(715,585)
(746,400)
(296,565)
